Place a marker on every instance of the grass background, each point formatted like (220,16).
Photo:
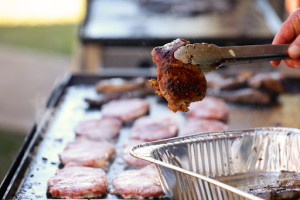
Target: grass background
(55,38)
(58,39)
(10,144)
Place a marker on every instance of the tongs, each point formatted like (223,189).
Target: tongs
(210,57)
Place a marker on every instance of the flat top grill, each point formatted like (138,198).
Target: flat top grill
(38,158)
(130,19)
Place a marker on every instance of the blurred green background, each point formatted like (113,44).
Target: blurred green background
(31,30)
(59,39)
(10,143)
(54,38)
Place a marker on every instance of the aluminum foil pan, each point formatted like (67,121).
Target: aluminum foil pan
(206,166)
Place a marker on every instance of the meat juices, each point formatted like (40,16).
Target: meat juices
(141,183)
(87,153)
(125,109)
(179,83)
(130,159)
(287,187)
(209,108)
(99,129)
(77,182)
(194,126)
(151,128)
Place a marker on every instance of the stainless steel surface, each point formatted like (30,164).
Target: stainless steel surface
(209,56)
(189,166)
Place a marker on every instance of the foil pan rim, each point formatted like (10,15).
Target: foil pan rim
(144,151)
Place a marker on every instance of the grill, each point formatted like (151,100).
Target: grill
(38,160)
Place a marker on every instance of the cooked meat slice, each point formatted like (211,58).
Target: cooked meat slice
(245,75)
(214,80)
(125,109)
(150,128)
(101,99)
(130,159)
(247,95)
(179,83)
(88,153)
(270,81)
(142,183)
(209,108)
(119,85)
(77,183)
(99,129)
(194,126)
(217,82)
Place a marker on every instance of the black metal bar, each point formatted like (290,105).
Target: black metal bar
(159,41)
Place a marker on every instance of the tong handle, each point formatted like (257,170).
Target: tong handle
(252,60)
(255,51)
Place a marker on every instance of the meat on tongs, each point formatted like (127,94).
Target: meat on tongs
(179,83)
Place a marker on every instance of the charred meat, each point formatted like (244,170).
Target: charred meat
(179,83)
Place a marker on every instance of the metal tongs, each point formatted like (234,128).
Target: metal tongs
(210,57)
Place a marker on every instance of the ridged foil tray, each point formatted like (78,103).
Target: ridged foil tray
(190,167)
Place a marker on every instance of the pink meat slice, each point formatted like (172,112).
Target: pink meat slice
(141,183)
(125,109)
(194,126)
(99,129)
(149,128)
(130,159)
(87,153)
(77,182)
(209,108)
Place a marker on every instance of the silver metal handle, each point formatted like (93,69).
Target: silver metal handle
(254,51)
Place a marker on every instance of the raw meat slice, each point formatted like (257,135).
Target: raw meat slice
(99,129)
(141,183)
(194,126)
(209,108)
(152,128)
(88,153)
(77,183)
(130,159)
(125,109)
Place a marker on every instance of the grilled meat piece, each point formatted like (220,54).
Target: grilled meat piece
(77,183)
(194,126)
(109,86)
(209,108)
(214,80)
(152,128)
(104,98)
(140,184)
(270,81)
(87,153)
(247,95)
(125,109)
(179,83)
(130,159)
(99,129)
